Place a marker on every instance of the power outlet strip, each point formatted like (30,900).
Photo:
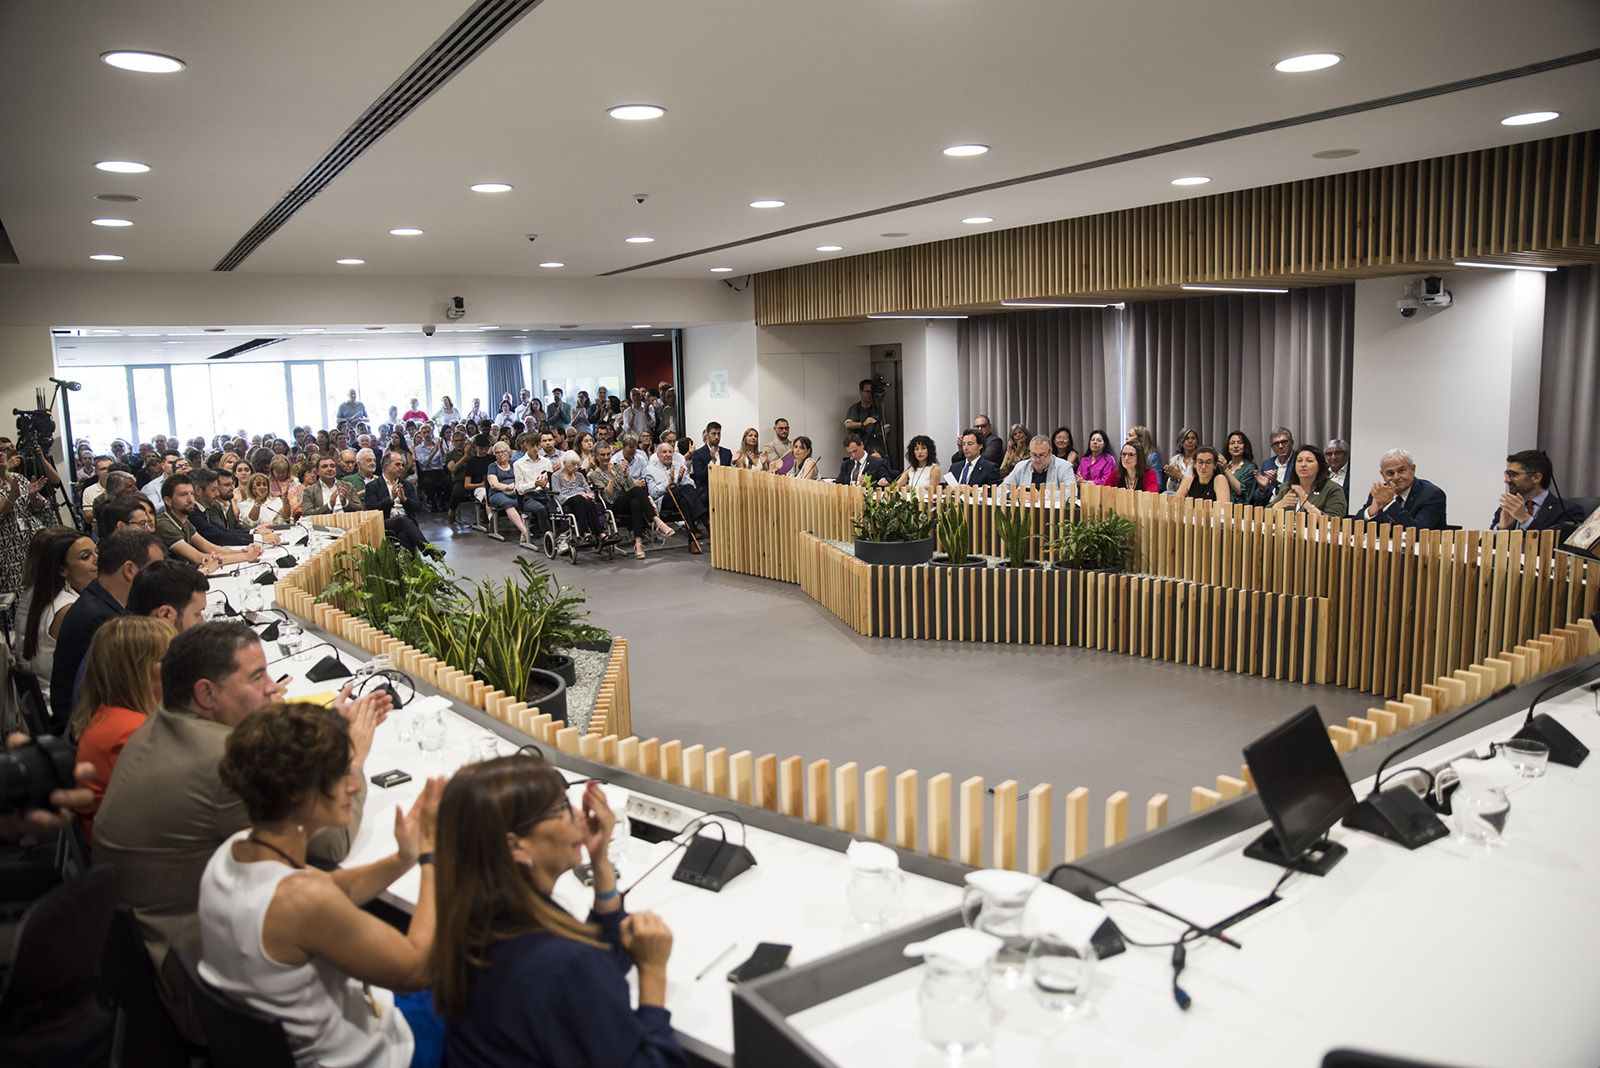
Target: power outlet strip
(663,814)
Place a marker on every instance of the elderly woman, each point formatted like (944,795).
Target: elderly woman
(291,941)
(571,488)
(500,487)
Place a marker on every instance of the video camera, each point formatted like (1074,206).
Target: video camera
(36,433)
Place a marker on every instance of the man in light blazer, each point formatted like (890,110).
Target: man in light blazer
(328,494)
(166,811)
(1042,468)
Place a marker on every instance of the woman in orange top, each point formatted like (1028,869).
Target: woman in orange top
(121,687)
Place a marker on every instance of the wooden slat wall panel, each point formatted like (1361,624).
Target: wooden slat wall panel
(1538,201)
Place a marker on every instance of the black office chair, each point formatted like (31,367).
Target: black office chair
(236,1035)
(145,1033)
(30,700)
(49,1014)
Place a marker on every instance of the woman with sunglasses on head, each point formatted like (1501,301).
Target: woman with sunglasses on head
(516,978)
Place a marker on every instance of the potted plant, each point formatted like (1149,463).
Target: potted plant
(955,538)
(1015,528)
(1095,543)
(893,527)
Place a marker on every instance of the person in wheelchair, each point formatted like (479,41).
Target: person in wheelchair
(577,499)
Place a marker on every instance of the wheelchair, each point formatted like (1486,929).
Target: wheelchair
(562,537)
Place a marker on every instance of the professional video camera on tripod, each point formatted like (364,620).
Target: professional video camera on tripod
(36,436)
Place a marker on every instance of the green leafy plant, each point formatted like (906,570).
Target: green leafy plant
(1015,529)
(954,536)
(892,514)
(1096,542)
(498,631)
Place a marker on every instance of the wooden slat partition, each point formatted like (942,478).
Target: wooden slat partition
(1533,202)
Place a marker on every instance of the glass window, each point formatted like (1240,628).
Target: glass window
(103,413)
(475,386)
(251,395)
(441,384)
(389,384)
(339,377)
(191,401)
(150,411)
(305,396)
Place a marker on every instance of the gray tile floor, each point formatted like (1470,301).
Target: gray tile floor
(750,663)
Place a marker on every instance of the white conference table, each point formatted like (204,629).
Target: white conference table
(795,894)
(1455,954)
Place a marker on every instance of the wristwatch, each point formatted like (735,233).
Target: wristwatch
(425,858)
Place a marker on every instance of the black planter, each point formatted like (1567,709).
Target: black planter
(1028,565)
(894,552)
(941,560)
(553,700)
(562,665)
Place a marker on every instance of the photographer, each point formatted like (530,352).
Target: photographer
(23,510)
(865,419)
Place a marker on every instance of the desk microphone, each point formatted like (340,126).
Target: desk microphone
(1564,746)
(329,667)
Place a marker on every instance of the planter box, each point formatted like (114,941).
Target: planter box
(894,552)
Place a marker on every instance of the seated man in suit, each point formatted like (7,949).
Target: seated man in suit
(1527,503)
(166,811)
(385,492)
(706,456)
(858,464)
(1401,497)
(328,494)
(206,492)
(1042,467)
(973,469)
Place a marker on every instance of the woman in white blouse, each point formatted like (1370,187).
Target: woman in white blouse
(922,470)
(805,463)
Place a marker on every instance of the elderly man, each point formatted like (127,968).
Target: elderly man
(351,409)
(668,482)
(1042,467)
(387,492)
(1400,497)
(1275,468)
(166,811)
(1337,453)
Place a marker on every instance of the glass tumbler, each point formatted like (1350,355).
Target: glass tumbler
(1060,974)
(1480,815)
(954,1001)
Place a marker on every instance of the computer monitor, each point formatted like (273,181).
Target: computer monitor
(1305,791)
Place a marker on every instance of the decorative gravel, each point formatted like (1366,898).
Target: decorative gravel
(591,668)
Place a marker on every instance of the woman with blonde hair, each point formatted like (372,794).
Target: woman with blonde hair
(1016,447)
(121,688)
(516,978)
(284,486)
(260,506)
(1141,436)
(748,456)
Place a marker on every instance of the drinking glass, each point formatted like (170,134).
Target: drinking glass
(1480,815)
(1060,973)
(872,896)
(485,747)
(289,635)
(429,730)
(954,1000)
(1528,756)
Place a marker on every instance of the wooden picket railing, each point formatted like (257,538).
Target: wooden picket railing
(1402,605)
(297,594)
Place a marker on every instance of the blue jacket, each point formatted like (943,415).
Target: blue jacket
(875,466)
(545,1000)
(1424,508)
(984,472)
(700,465)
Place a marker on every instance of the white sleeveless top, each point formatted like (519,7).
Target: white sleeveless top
(918,477)
(327,1015)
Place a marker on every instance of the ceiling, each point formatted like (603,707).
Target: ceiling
(837,107)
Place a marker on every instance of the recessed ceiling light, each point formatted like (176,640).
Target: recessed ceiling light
(1530,118)
(1309,61)
(1048,304)
(895,233)
(1192,179)
(106,257)
(552,263)
(977,220)
(1336,153)
(640,240)
(490,326)
(914,316)
(172,342)
(766,203)
(350,261)
(966,150)
(122,166)
(722,270)
(658,335)
(830,248)
(406,231)
(314,330)
(1506,266)
(641,326)
(1238,289)
(117,198)
(490,187)
(143,62)
(111,222)
(636,112)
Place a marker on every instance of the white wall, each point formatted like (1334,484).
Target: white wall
(1458,387)
(729,347)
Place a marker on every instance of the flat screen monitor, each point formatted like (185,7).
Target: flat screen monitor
(1301,782)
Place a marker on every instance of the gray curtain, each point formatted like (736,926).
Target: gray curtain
(505,376)
(1569,379)
(1042,369)
(1251,361)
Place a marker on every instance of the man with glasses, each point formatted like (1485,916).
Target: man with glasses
(1400,497)
(96,489)
(1337,453)
(1274,468)
(1528,503)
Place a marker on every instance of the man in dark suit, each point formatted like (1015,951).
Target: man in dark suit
(384,493)
(709,455)
(1401,497)
(857,463)
(1527,503)
(122,556)
(974,469)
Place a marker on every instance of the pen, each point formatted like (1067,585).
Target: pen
(718,959)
